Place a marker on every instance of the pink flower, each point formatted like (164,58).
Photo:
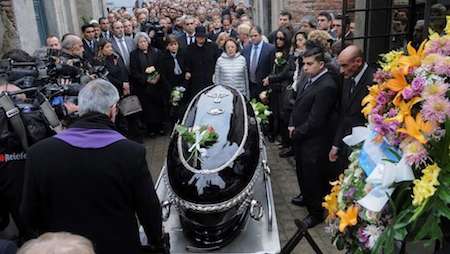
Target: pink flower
(441,68)
(414,152)
(439,46)
(435,89)
(436,109)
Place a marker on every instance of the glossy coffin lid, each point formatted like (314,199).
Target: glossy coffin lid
(229,165)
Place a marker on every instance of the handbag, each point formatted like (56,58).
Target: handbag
(129,105)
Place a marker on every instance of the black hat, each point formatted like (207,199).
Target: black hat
(200,31)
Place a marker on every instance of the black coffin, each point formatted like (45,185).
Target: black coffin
(213,192)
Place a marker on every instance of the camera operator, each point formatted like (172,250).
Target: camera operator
(156,32)
(12,164)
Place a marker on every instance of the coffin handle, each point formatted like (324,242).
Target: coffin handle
(165,207)
(256,209)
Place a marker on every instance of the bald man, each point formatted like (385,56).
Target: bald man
(357,77)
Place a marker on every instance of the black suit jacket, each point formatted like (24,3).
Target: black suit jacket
(89,53)
(350,106)
(213,35)
(93,192)
(312,110)
(182,40)
(233,34)
(167,67)
(201,63)
(264,68)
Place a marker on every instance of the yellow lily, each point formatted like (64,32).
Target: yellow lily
(370,101)
(331,203)
(348,218)
(416,128)
(447,27)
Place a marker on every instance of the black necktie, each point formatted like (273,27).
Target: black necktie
(308,84)
(352,85)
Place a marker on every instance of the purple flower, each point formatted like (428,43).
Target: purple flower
(436,109)
(392,112)
(350,192)
(408,93)
(362,237)
(418,84)
(380,76)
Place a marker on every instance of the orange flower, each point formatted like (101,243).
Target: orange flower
(416,128)
(404,109)
(348,218)
(398,82)
(414,57)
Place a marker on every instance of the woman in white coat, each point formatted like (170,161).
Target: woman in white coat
(231,68)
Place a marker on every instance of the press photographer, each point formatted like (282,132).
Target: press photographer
(155,31)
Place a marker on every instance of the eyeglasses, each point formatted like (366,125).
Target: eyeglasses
(281,38)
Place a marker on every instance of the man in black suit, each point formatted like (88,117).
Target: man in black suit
(89,43)
(260,57)
(357,77)
(217,28)
(91,181)
(284,22)
(228,28)
(105,28)
(187,37)
(122,45)
(200,63)
(308,128)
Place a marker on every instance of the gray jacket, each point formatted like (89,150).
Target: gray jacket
(232,71)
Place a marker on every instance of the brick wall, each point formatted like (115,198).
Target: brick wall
(300,8)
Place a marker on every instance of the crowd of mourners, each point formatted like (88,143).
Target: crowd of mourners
(309,74)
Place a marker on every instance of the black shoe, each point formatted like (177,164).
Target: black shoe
(287,153)
(311,221)
(298,201)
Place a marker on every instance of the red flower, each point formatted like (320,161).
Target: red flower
(210,129)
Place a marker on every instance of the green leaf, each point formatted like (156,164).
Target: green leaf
(400,234)
(444,179)
(442,209)
(444,194)
(430,229)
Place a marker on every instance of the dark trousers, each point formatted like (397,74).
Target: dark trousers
(11,184)
(309,161)
(255,90)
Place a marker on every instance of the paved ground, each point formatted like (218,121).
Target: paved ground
(284,183)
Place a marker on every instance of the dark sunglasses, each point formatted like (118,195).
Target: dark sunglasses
(281,38)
